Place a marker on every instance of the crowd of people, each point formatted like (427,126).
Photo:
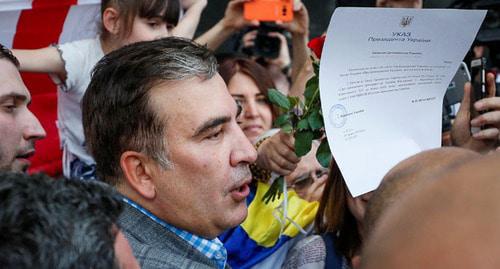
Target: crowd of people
(169,149)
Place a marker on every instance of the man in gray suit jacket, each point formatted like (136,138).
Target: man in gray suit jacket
(162,127)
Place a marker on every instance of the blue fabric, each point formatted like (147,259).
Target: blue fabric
(243,252)
(333,259)
(82,171)
(212,249)
(251,195)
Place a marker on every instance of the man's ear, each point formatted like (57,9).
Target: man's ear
(111,20)
(138,170)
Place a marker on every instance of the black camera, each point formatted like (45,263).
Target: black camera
(265,46)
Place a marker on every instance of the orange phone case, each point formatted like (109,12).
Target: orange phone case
(268,10)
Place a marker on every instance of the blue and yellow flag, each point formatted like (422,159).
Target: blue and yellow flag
(259,235)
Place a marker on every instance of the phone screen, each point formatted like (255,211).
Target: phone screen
(454,95)
(478,78)
(455,90)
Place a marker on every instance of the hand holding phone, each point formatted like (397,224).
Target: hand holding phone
(488,107)
(268,10)
(486,139)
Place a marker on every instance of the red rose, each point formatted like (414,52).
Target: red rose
(316,45)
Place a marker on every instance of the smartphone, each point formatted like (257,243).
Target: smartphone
(268,10)
(478,77)
(455,90)
(453,96)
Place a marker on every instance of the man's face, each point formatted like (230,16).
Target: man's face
(19,128)
(205,190)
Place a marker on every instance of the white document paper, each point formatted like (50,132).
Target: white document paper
(383,76)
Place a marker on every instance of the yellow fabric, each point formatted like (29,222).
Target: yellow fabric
(264,229)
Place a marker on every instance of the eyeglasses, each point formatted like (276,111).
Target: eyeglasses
(305,180)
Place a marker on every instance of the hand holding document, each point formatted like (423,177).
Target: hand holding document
(383,76)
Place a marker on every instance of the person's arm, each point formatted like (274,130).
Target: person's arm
(300,54)
(487,139)
(45,60)
(305,73)
(232,22)
(299,28)
(283,60)
(189,22)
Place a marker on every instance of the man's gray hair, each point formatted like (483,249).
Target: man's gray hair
(181,64)
(116,110)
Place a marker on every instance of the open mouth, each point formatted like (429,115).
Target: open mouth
(25,155)
(240,192)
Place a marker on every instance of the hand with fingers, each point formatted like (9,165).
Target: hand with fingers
(232,22)
(283,60)
(311,189)
(315,191)
(248,38)
(233,16)
(300,23)
(487,138)
(277,154)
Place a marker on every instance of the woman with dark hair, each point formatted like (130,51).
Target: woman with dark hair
(339,226)
(249,83)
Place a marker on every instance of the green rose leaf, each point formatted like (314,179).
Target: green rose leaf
(318,134)
(312,86)
(279,99)
(315,120)
(287,128)
(314,81)
(294,100)
(275,190)
(282,119)
(303,141)
(316,68)
(323,155)
(303,124)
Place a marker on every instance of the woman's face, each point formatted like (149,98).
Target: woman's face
(357,205)
(256,116)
